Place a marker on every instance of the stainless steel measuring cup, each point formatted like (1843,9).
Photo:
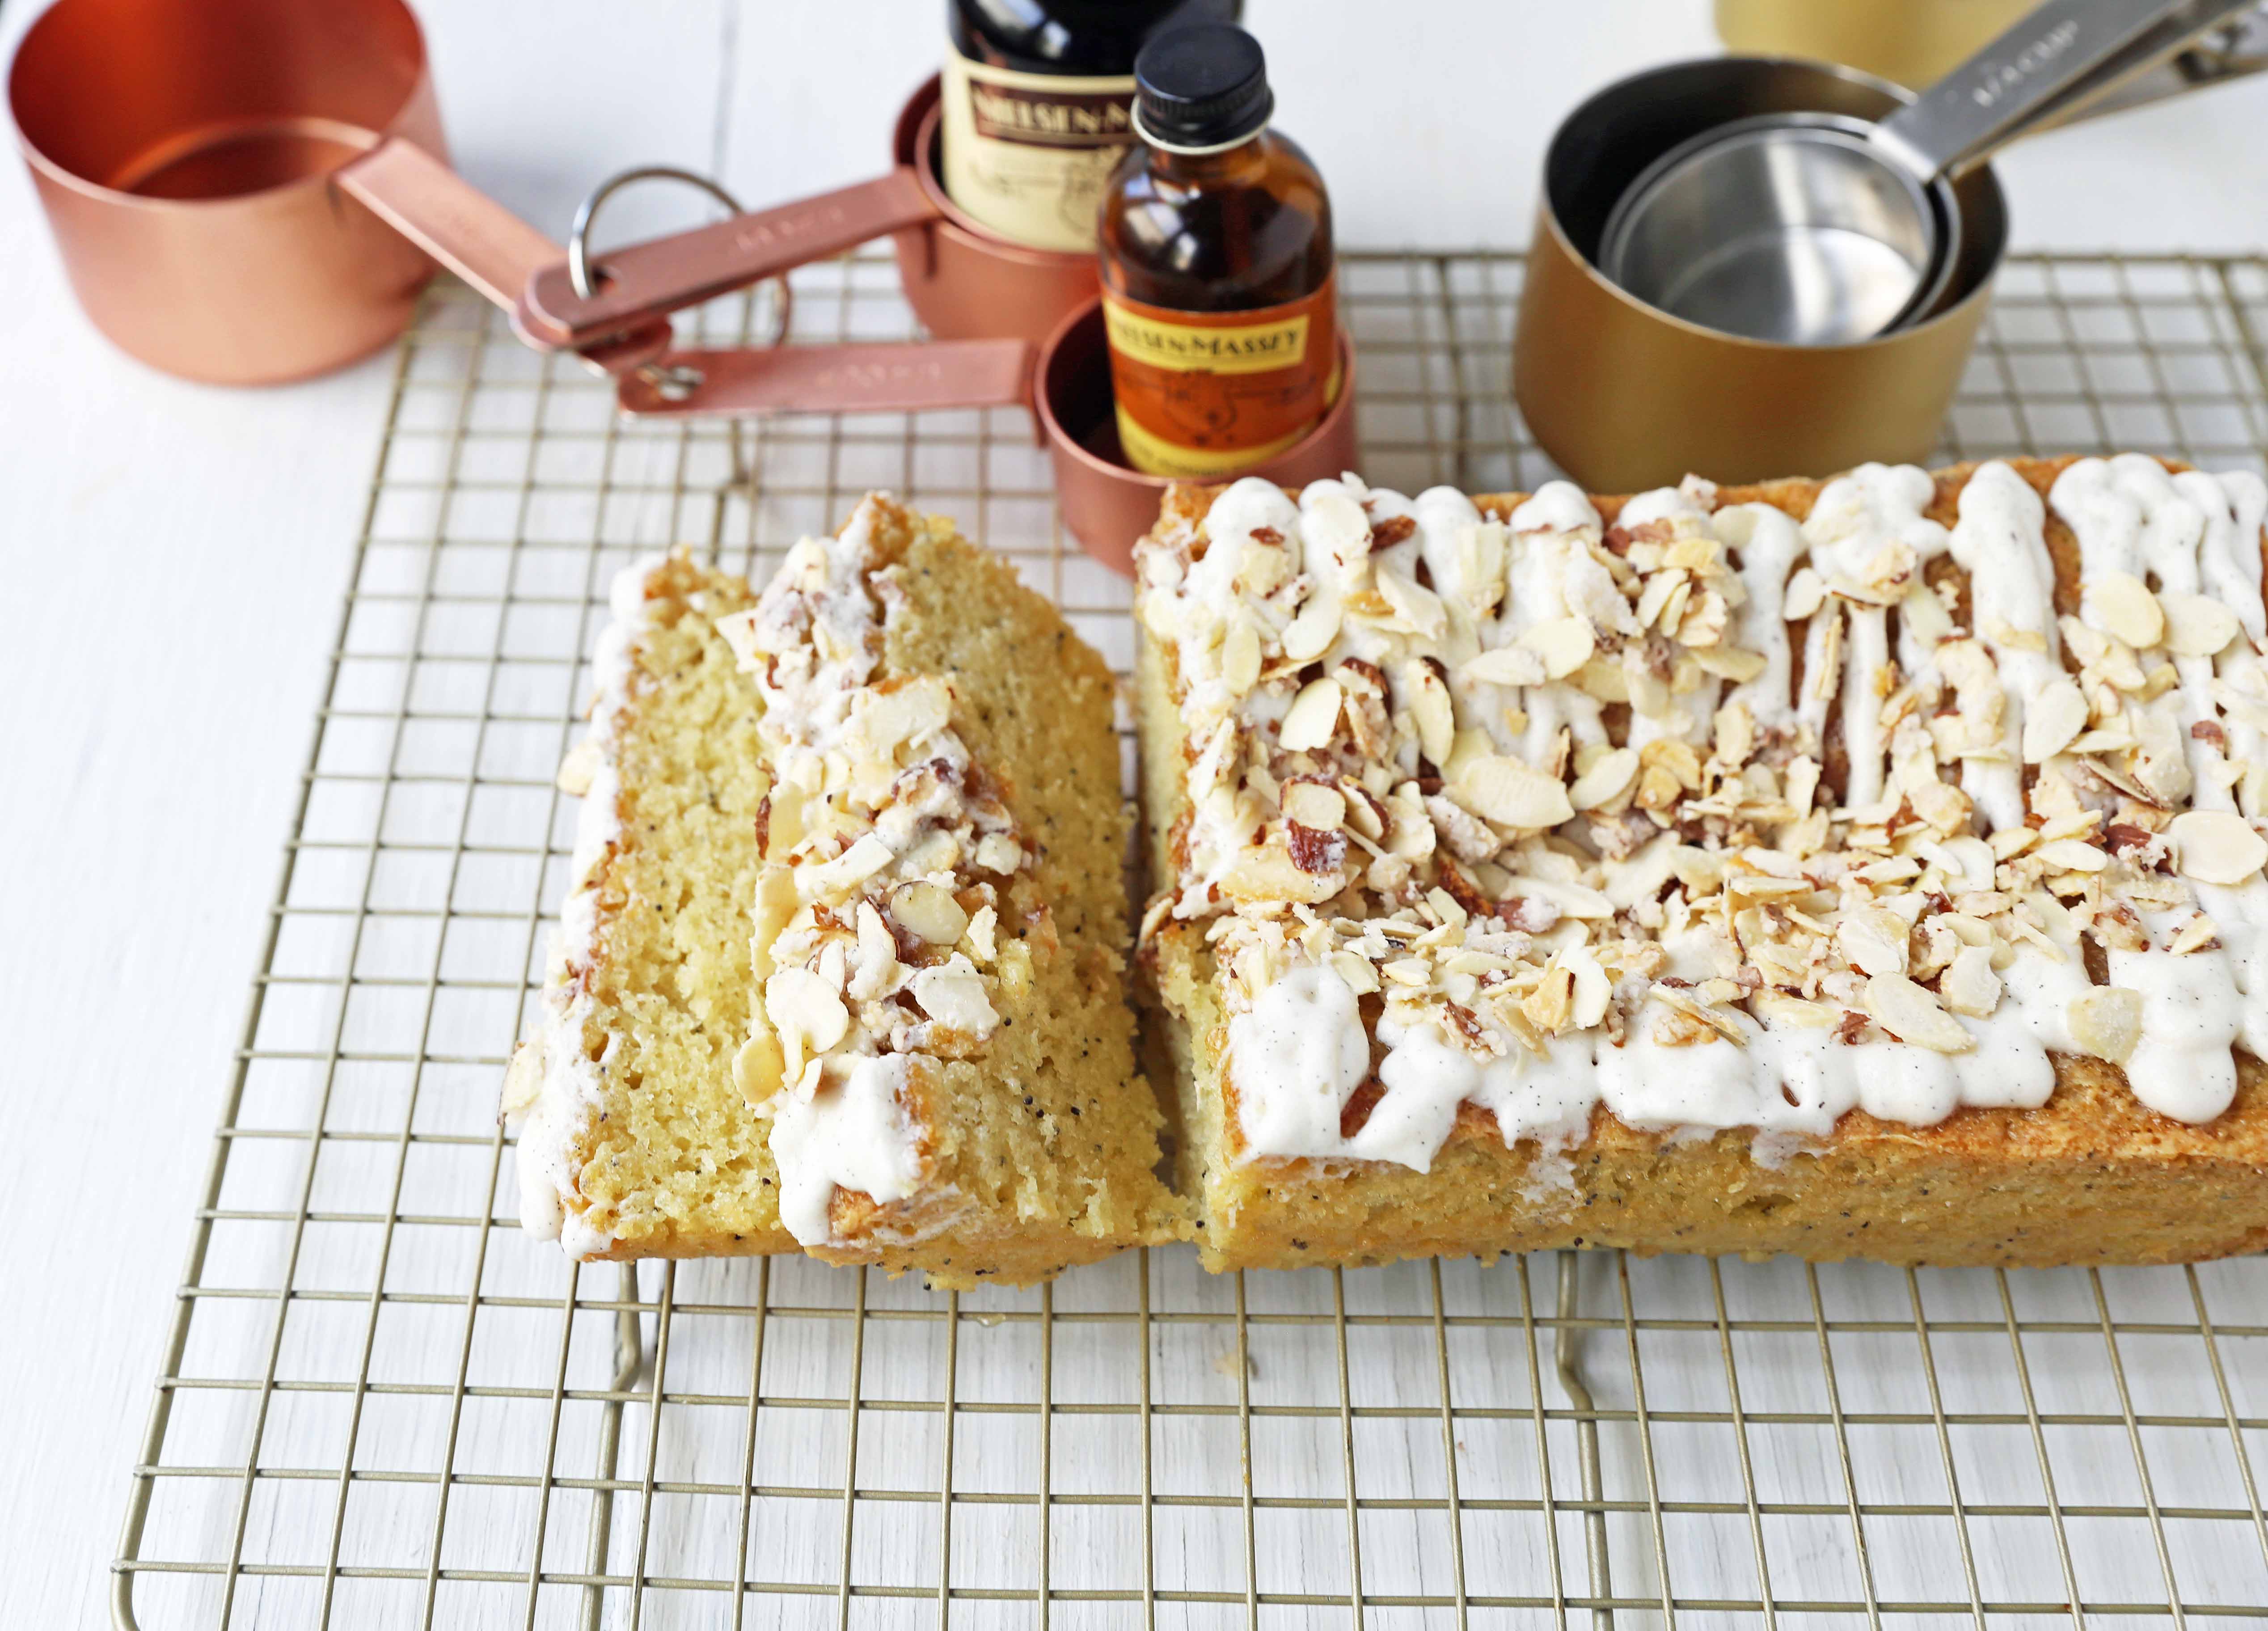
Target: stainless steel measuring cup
(1822,229)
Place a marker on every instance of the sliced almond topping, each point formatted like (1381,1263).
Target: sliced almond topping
(1315,804)
(879,967)
(1968,984)
(1481,550)
(2008,636)
(1564,644)
(760,1068)
(1548,1005)
(1775,1010)
(1806,591)
(905,713)
(576,771)
(1271,873)
(1649,693)
(1309,635)
(1676,757)
(1593,987)
(805,1011)
(1432,711)
(1673,611)
(2194,935)
(997,851)
(1730,662)
(1504,790)
(979,935)
(740,631)
(1873,940)
(1735,733)
(1910,1013)
(523,1078)
(1240,657)
(2075,855)
(2197,626)
(1334,524)
(2216,846)
(1610,775)
(1604,678)
(2123,603)
(1417,607)
(2106,1020)
(1364,813)
(832,880)
(1409,829)
(1923,615)
(2009,842)
(1828,679)
(2053,719)
(930,912)
(1506,665)
(1942,805)
(1359,973)
(1802,782)
(1654,599)
(953,994)
(1313,717)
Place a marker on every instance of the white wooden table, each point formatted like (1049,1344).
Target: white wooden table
(171,556)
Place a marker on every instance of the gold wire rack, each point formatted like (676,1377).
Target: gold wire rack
(381,1405)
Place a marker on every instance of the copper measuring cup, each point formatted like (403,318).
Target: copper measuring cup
(185,154)
(962,281)
(251,191)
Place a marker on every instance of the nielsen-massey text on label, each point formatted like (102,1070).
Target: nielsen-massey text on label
(1201,394)
(1027,154)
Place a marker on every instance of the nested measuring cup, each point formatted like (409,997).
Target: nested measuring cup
(1625,397)
(1823,228)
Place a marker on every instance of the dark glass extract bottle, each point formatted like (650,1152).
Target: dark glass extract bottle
(1038,99)
(1218,285)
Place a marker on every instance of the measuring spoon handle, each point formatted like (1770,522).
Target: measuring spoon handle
(2056,57)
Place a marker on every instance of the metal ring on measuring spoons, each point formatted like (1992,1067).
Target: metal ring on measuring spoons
(678,382)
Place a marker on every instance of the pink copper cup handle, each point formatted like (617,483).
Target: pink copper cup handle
(833,378)
(436,209)
(482,242)
(643,281)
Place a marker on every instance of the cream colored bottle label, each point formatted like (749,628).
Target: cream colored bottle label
(1027,154)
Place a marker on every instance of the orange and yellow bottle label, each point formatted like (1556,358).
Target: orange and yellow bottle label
(1202,393)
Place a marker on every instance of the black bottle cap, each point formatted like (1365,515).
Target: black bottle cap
(1202,86)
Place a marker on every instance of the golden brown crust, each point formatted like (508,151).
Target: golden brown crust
(2091,1176)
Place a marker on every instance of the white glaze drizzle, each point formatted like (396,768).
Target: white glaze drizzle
(555,1089)
(1790,1074)
(2001,543)
(2179,534)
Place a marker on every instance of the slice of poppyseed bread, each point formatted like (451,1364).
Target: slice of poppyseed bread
(842,967)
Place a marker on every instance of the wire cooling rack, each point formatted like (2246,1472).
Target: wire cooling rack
(381,1405)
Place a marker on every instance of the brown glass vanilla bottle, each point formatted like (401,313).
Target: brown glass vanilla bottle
(1217,271)
(1037,107)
